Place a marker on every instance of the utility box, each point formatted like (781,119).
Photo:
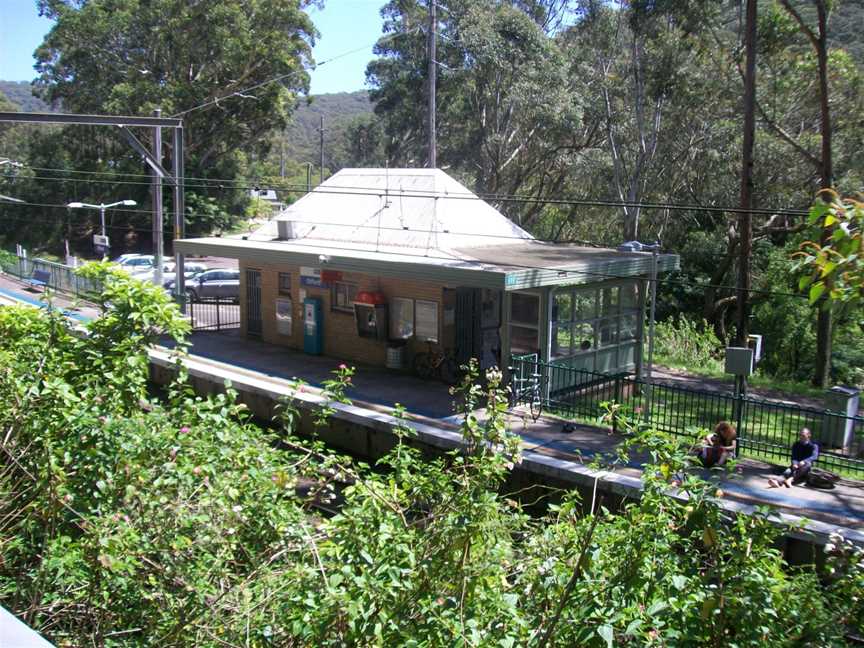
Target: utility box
(739,361)
(843,403)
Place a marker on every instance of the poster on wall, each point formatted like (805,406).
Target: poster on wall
(426,320)
(284,316)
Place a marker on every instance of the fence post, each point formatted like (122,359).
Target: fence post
(218,308)
(740,402)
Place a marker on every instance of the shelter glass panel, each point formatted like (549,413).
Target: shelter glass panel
(562,340)
(594,321)
(584,304)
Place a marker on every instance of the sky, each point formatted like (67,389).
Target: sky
(345,25)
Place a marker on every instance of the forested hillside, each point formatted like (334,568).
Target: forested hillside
(301,137)
(21,94)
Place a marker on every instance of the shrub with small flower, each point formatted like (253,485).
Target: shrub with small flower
(127,520)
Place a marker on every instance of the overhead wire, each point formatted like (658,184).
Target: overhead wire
(377,191)
(280,77)
(319,245)
(343,247)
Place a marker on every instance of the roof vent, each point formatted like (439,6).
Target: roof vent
(287,230)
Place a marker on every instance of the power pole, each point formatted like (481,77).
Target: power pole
(179,223)
(321,146)
(156,190)
(433,72)
(745,220)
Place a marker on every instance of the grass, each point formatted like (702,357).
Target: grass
(767,431)
(758,380)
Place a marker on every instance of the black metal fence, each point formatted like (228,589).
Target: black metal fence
(766,429)
(213,313)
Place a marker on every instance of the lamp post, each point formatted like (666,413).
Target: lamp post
(102,207)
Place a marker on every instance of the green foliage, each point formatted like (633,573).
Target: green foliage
(131,521)
(833,268)
(205,215)
(685,343)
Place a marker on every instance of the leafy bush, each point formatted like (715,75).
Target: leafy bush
(126,521)
(682,342)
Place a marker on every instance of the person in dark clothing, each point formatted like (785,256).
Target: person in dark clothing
(804,453)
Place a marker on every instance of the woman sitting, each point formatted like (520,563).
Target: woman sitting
(718,446)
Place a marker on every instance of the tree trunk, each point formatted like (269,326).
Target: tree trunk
(824,317)
(824,320)
(745,221)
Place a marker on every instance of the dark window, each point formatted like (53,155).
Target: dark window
(284,283)
(342,296)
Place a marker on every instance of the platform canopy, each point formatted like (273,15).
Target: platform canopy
(418,224)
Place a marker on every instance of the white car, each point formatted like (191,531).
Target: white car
(168,274)
(124,257)
(137,263)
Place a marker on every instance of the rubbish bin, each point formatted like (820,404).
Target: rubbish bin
(843,402)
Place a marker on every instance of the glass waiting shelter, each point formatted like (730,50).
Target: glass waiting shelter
(594,327)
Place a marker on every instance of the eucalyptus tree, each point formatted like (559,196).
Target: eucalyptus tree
(510,119)
(231,68)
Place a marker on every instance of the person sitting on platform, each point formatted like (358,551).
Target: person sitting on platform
(718,446)
(804,453)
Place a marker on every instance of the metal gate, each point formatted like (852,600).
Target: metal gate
(253,302)
(213,313)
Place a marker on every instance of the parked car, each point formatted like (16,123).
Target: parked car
(168,274)
(137,263)
(124,257)
(214,283)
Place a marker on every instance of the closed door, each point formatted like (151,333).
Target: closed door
(253,302)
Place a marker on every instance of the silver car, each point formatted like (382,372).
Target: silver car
(223,283)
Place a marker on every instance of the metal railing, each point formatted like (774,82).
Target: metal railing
(213,313)
(766,429)
(62,278)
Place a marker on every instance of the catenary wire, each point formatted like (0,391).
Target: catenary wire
(377,191)
(568,270)
(521,266)
(337,224)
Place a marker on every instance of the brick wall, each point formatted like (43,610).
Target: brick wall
(341,340)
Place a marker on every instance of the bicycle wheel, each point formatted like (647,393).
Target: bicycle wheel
(536,408)
(423,365)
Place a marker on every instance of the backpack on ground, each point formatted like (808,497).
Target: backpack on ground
(819,478)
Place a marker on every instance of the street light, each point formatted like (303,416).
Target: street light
(102,207)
